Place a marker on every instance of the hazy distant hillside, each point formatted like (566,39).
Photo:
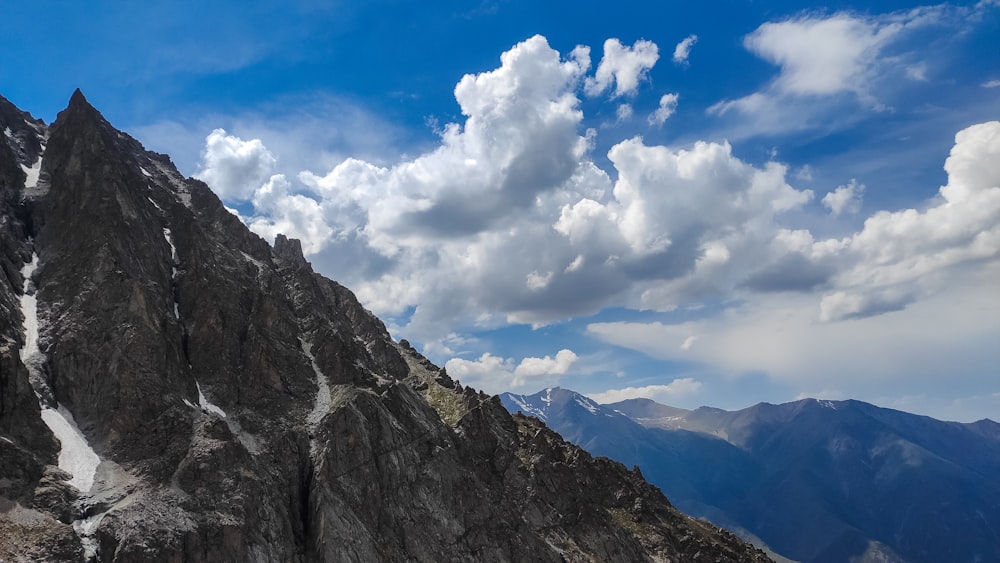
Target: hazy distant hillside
(814,480)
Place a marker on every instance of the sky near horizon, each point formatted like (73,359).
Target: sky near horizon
(715,203)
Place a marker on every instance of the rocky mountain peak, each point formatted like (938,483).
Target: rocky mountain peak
(289,250)
(174,388)
(77,99)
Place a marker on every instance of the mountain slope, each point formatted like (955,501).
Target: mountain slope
(173,388)
(814,480)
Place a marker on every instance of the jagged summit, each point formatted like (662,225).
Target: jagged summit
(77,99)
(174,388)
(290,250)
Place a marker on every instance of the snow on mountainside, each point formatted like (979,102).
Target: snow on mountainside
(812,480)
(223,402)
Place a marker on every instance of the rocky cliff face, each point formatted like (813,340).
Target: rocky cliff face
(172,388)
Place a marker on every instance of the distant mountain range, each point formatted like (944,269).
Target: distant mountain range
(811,480)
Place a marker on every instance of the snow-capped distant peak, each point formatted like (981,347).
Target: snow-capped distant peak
(587,404)
(525,406)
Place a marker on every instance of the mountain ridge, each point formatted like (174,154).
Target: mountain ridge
(244,408)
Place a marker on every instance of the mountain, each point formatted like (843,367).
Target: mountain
(174,388)
(812,480)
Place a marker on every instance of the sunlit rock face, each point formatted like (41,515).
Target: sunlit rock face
(174,388)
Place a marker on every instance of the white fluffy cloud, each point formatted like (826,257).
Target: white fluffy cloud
(293,215)
(496,375)
(510,220)
(844,199)
(903,272)
(668,105)
(625,67)
(233,167)
(519,139)
(900,256)
(683,49)
(682,222)
(680,387)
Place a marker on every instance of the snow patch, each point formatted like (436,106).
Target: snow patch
(254,261)
(173,249)
(207,406)
(32,174)
(86,529)
(8,133)
(527,408)
(547,399)
(156,205)
(323,402)
(587,404)
(76,457)
(145,172)
(180,189)
(173,264)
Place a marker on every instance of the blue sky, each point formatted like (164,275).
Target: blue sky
(710,203)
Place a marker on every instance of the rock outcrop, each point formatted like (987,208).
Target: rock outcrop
(240,407)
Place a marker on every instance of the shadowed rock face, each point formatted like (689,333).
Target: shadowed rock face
(245,408)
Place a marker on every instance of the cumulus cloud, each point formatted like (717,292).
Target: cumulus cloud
(519,139)
(879,288)
(681,387)
(495,374)
(668,105)
(681,222)
(234,168)
(508,219)
(625,67)
(844,199)
(535,367)
(683,49)
(900,256)
(293,215)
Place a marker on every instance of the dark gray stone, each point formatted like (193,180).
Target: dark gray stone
(402,464)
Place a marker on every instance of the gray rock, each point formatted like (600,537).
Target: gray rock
(247,409)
